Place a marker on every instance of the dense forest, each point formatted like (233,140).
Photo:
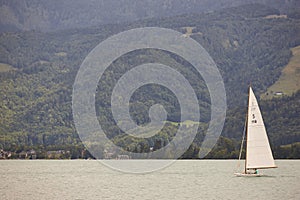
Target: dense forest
(37,72)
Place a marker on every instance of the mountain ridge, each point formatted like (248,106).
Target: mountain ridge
(20,15)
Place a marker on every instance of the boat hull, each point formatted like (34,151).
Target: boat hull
(247,175)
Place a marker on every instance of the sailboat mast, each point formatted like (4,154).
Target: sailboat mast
(246,123)
(242,143)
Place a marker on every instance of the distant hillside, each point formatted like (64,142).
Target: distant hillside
(289,81)
(35,100)
(64,14)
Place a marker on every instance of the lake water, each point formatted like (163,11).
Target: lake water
(184,179)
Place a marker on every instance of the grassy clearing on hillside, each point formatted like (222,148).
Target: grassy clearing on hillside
(187,123)
(5,67)
(275,16)
(289,81)
(189,31)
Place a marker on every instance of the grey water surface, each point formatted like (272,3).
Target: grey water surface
(184,179)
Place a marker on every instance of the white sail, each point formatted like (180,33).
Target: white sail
(258,152)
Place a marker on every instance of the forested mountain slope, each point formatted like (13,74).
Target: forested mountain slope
(39,69)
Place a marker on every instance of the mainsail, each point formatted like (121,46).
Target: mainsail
(258,152)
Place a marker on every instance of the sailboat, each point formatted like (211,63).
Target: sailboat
(258,150)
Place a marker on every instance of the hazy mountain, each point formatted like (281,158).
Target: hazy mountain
(64,14)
